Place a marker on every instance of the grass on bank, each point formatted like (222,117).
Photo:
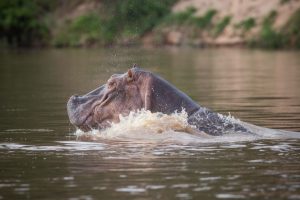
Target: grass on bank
(23,23)
(221,25)
(129,19)
(84,30)
(187,17)
(204,22)
(291,31)
(269,37)
(286,37)
(246,24)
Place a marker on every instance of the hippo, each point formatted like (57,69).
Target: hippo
(139,89)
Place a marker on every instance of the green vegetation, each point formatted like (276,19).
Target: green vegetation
(204,23)
(180,18)
(269,37)
(291,30)
(284,1)
(131,19)
(247,24)
(138,17)
(57,23)
(206,20)
(188,17)
(128,19)
(221,25)
(288,36)
(84,30)
(20,24)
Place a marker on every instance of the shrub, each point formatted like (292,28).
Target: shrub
(284,1)
(221,25)
(82,30)
(206,19)
(292,30)
(138,17)
(180,18)
(247,24)
(269,37)
(188,17)
(19,24)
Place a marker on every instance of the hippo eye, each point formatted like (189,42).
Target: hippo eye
(111,84)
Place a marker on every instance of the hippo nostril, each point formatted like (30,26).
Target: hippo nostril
(73,101)
(74,97)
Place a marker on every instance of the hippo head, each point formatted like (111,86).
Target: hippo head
(134,90)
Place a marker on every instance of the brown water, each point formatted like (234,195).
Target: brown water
(41,158)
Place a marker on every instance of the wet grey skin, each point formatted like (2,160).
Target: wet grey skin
(139,89)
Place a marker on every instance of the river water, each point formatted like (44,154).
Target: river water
(42,156)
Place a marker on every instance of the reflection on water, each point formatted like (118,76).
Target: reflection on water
(67,146)
(112,170)
(41,158)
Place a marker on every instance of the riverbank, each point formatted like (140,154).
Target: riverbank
(198,23)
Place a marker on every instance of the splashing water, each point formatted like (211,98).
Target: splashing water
(145,126)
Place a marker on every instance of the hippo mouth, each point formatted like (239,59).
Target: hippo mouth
(78,116)
(84,125)
(82,109)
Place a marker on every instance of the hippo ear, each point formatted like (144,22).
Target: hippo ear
(148,89)
(129,75)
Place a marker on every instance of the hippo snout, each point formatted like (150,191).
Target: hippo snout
(73,107)
(80,109)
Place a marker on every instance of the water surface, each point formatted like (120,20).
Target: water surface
(41,157)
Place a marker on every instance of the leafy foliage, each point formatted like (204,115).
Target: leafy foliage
(247,24)
(24,23)
(139,17)
(133,18)
(269,37)
(19,23)
(292,30)
(206,19)
(129,17)
(222,25)
(180,18)
(188,17)
(83,30)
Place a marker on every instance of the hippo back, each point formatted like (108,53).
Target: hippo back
(214,124)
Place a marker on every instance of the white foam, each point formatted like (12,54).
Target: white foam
(148,127)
